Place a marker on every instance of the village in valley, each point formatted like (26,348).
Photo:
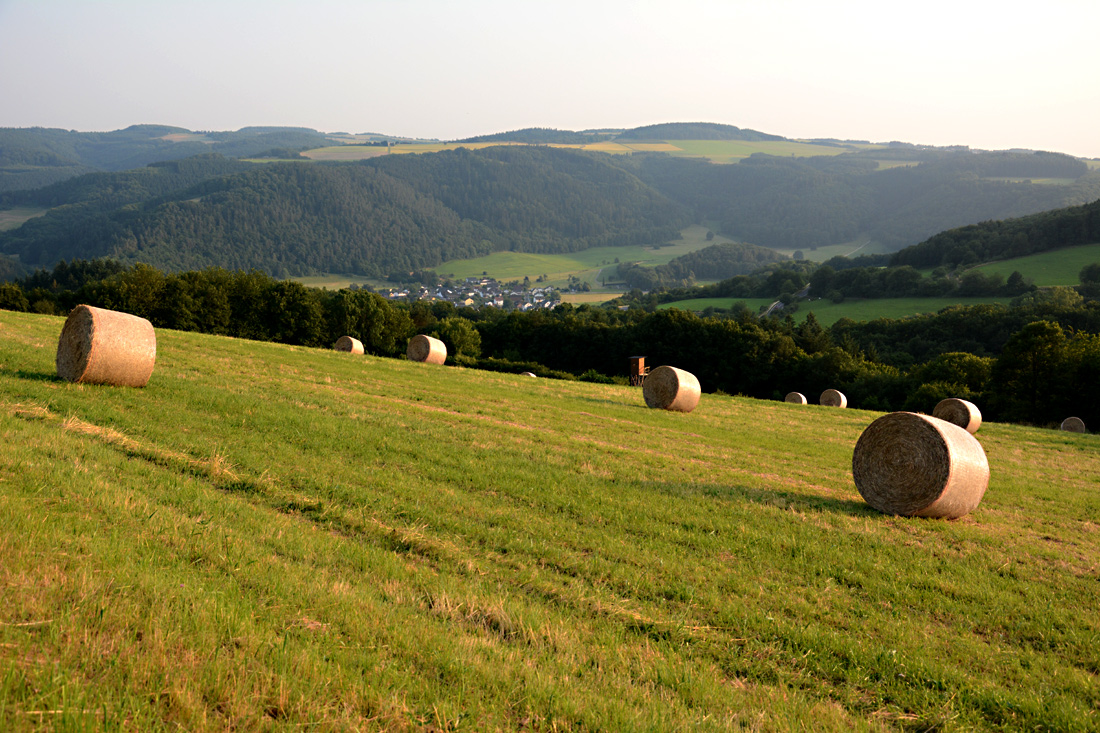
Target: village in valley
(476,292)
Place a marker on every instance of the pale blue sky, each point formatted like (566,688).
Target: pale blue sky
(990,75)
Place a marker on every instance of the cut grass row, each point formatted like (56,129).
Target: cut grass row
(276,537)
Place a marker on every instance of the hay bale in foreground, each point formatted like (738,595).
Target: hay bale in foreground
(100,346)
(528,374)
(959,412)
(347,343)
(796,398)
(669,388)
(427,349)
(919,466)
(1073,425)
(833,398)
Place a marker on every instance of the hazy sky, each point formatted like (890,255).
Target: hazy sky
(990,74)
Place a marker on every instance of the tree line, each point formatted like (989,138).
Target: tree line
(1036,361)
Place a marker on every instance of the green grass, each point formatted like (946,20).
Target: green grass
(1058,267)
(13,218)
(828,312)
(855,248)
(590,265)
(277,538)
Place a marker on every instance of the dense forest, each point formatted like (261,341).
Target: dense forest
(1037,361)
(694,131)
(539,136)
(998,240)
(374,217)
(805,203)
(34,157)
(716,262)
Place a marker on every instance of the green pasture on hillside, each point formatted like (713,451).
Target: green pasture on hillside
(14,217)
(1057,267)
(827,312)
(270,537)
(856,248)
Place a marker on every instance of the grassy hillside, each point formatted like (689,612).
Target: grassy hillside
(827,312)
(1057,267)
(270,537)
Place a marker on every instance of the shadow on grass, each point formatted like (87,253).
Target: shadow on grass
(38,376)
(767,497)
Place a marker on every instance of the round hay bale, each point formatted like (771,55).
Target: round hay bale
(959,412)
(427,349)
(796,398)
(669,388)
(347,343)
(1073,425)
(99,346)
(919,466)
(833,398)
(528,374)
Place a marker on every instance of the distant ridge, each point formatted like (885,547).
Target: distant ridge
(695,131)
(537,136)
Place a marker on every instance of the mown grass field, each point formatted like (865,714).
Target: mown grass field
(827,312)
(1058,267)
(276,538)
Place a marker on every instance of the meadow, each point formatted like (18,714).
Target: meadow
(14,217)
(270,537)
(827,312)
(1057,267)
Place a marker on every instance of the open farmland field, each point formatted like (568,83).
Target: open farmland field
(590,265)
(827,312)
(1057,267)
(276,538)
(15,217)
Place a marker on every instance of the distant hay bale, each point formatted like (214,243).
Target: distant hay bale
(528,374)
(919,466)
(796,398)
(669,388)
(1073,425)
(959,412)
(347,343)
(99,346)
(427,349)
(833,398)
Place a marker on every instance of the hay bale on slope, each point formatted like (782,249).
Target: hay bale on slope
(669,388)
(959,412)
(833,398)
(796,398)
(919,466)
(100,346)
(529,374)
(1073,425)
(349,344)
(427,349)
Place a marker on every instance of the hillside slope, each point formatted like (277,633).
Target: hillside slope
(277,537)
(397,213)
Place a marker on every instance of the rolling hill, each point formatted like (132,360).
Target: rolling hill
(273,537)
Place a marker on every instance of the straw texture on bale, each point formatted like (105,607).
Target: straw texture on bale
(99,346)
(959,412)
(669,388)
(427,349)
(795,397)
(833,398)
(919,466)
(347,343)
(1073,425)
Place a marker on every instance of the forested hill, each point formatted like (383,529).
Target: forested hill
(998,240)
(36,156)
(803,203)
(538,136)
(694,131)
(396,213)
